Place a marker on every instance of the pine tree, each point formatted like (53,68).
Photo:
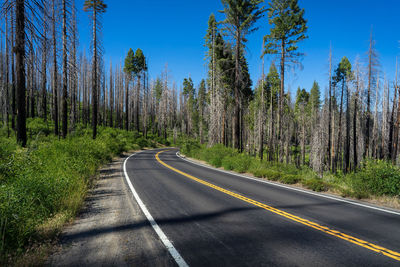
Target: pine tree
(129,69)
(240,17)
(289,27)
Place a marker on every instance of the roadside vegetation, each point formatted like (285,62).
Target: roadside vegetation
(43,185)
(374,178)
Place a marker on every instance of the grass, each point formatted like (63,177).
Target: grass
(374,178)
(43,186)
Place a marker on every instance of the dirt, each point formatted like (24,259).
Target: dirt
(111,230)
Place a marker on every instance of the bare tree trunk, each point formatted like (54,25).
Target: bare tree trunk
(347,146)
(44,67)
(19,51)
(281,99)
(261,113)
(6,80)
(396,127)
(94,75)
(65,72)
(236,119)
(126,102)
(55,72)
(330,138)
(137,104)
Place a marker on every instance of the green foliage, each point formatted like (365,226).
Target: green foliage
(37,126)
(288,27)
(315,95)
(50,177)
(98,5)
(376,177)
(343,71)
(316,184)
(142,142)
(130,62)
(289,179)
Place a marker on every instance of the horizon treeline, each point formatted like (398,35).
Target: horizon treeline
(44,74)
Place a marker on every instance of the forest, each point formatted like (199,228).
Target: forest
(58,100)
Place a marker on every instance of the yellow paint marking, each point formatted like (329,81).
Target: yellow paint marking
(387,252)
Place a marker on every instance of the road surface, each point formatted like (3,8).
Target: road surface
(212,218)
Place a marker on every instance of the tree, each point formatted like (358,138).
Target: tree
(201,102)
(272,83)
(289,27)
(210,43)
(139,67)
(372,71)
(19,51)
(303,100)
(240,16)
(55,67)
(96,7)
(129,69)
(189,94)
(343,74)
(65,71)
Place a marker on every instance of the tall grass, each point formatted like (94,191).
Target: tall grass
(49,179)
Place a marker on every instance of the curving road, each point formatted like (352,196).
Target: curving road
(212,218)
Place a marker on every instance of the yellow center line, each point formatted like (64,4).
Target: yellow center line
(387,252)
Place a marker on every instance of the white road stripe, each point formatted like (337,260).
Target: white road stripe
(167,243)
(292,188)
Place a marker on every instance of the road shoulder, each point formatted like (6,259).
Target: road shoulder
(110,230)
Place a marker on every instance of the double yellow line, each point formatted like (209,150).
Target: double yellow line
(387,252)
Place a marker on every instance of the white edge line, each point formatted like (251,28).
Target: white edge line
(290,188)
(167,243)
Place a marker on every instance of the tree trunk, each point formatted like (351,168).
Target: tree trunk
(65,73)
(236,112)
(19,50)
(55,72)
(94,76)
(281,99)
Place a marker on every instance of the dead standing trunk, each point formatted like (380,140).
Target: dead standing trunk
(19,51)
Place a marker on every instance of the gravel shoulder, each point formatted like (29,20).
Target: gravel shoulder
(111,230)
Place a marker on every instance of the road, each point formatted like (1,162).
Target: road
(214,218)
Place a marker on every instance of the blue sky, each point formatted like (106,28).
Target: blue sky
(172,31)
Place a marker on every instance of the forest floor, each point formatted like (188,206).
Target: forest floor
(110,230)
(382,201)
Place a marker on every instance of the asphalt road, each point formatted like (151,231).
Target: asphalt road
(225,220)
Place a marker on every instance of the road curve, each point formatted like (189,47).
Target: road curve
(218,219)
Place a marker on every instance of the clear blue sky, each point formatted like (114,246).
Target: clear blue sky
(173,32)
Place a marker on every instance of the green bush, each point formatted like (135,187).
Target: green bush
(228,163)
(316,185)
(378,177)
(272,175)
(241,163)
(289,179)
(37,126)
(142,142)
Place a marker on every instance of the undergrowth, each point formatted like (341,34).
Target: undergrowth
(44,185)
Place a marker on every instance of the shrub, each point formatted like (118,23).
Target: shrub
(241,163)
(272,175)
(228,163)
(37,126)
(377,177)
(142,142)
(289,179)
(316,185)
